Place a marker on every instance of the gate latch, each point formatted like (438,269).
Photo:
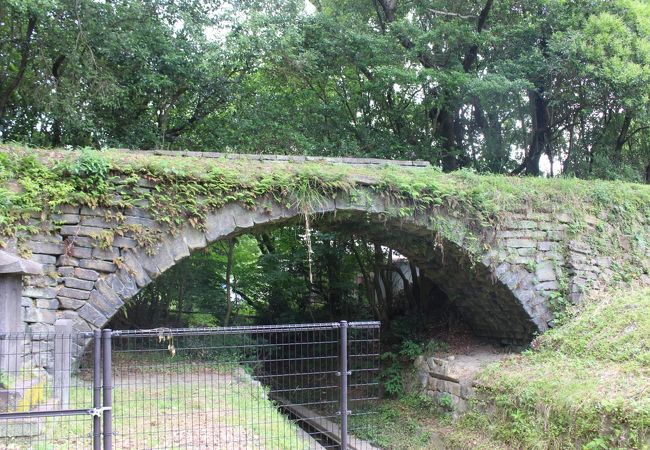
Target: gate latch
(99,412)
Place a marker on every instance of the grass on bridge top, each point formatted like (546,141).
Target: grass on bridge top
(427,185)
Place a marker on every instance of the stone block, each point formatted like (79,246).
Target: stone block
(80,325)
(71,303)
(555,235)
(547,286)
(76,283)
(545,272)
(9,399)
(108,293)
(552,226)
(135,269)
(578,258)
(46,237)
(96,221)
(142,221)
(108,254)
(580,247)
(72,315)
(178,248)
(521,260)
(26,301)
(521,234)
(41,331)
(66,260)
(124,242)
(194,238)
(47,303)
(39,292)
(527,251)
(88,211)
(143,182)
(80,252)
(40,280)
(43,259)
(81,241)
(37,315)
(97,265)
(129,286)
(453,388)
(91,315)
(74,293)
(65,271)
(604,261)
(158,262)
(70,230)
(46,248)
(66,209)
(100,303)
(220,223)
(86,274)
(546,246)
(521,243)
(467,391)
(65,219)
(521,224)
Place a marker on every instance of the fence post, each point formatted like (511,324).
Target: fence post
(97,388)
(344,385)
(62,358)
(12,269)
(107,381)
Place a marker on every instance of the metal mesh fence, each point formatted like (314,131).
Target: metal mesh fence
(46,390)
(266,387)
(255,387)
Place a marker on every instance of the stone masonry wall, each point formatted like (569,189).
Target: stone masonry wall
(532,256)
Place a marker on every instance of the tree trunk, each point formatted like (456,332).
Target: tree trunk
(622,137)
(56,126)
(446,130)
(6,92)
(540,134)
(367,282)
(181,299)
(229,263)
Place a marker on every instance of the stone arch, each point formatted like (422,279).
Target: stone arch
(498,299)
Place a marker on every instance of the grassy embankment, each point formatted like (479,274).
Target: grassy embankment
(585,385)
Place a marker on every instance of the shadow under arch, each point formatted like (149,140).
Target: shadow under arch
(477,289)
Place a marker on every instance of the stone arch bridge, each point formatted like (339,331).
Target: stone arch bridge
(502,276)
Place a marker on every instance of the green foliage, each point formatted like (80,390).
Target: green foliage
(403,424)
(89,171)
(392,375)
(5,380)
(436,346)
(437,80)
(445,401)
(410,350)
(395,365)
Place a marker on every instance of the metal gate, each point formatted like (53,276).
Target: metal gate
(273,387)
